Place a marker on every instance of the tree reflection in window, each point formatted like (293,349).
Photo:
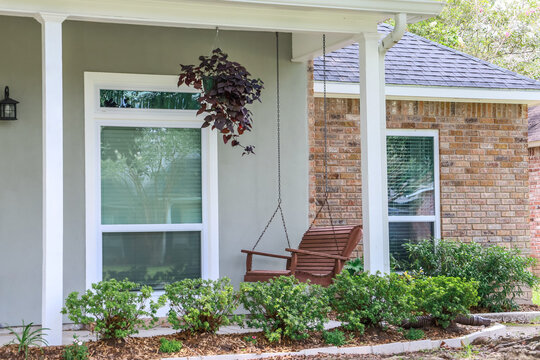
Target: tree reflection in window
(150,175)
(148,99)
(410,175)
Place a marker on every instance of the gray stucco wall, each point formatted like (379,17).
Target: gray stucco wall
(20,173)
(246,184)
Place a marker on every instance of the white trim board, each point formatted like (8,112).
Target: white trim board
(434,93)
(96,117)
(533,144)
(348,16)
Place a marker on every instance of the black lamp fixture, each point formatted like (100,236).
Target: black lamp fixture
(8,107)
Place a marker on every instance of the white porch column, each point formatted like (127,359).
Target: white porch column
(53,211)
(373,138)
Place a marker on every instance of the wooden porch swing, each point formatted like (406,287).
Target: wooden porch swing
(323,251)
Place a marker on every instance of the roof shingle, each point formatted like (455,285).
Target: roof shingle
(415,60)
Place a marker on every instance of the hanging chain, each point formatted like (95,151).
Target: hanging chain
(325,201)
(325,114)
(215,45)
(278,115)
(278,118)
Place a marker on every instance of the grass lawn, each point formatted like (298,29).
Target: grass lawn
(536,296)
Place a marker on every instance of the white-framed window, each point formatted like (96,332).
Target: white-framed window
(413,187)
(151,181)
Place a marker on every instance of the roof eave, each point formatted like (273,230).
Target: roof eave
(330,16)
(436,93)
(533,144)
(420,9)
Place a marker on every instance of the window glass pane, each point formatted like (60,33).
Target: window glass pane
(410,175)
(404,232)
(152,258)
(148,99)
(150,175)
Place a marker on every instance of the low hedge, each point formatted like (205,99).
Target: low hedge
(198,305)
(364,300)
(444,298)
(284,307)
(501,273)
(114,309)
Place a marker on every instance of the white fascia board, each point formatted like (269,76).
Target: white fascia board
(435,93)
(534,144)
(227,14)
(420,7)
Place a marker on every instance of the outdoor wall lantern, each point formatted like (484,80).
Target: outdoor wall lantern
(8,107)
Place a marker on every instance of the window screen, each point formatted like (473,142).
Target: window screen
(152,258)
(150,175)
(405,232)
(411,191)
(151,179)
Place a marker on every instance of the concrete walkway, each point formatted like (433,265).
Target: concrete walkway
(523,330)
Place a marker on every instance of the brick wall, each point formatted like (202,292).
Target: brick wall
(534,186)
(483,165)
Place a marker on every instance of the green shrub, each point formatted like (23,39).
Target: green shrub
(370,300)
(354,266)
(28,337)
(114,308)
(170,346)
(414,334)
(199,305)
(444,298)
(501,273)
(75,351)
(336,337)
(284,308)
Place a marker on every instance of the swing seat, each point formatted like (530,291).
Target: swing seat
(319,257)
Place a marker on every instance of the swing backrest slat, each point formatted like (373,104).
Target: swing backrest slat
(323,240)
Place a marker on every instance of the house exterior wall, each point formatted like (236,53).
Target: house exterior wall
(534,187)
(20,173)
(244,207)
(483,165)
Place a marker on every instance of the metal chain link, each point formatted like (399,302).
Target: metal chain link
(278,115)
(325,114)
(326,189)
(278,118)
(215,44)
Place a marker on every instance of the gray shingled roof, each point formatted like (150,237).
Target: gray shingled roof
(415,60)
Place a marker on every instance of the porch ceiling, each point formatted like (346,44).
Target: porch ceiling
(329,16)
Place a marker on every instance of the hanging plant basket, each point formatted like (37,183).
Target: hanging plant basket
(227,88)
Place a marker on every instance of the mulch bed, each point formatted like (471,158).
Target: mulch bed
(206,344)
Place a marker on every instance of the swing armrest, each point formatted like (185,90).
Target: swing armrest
(250,253)
(306,252)
(266,254)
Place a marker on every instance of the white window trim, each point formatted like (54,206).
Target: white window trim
(436,219)
(96,117)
